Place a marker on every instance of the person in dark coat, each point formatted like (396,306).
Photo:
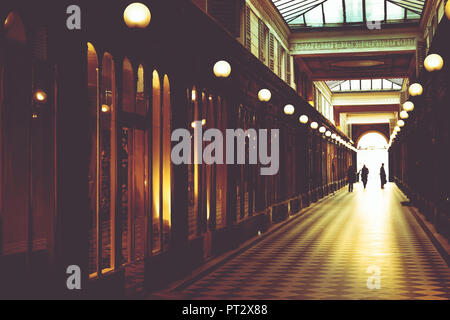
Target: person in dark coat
(351,176)
(382,176)
(364,175)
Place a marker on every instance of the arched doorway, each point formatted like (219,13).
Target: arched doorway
(372,152)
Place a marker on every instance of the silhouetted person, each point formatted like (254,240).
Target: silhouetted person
(382,176)
(351,176)
(364,175)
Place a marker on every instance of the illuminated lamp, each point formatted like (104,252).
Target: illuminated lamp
(322,129)
(404,114)
(333,136)
(397,129)
(303,119)
(433,62)
(137,15)
(222,69)
(415,89)
(105,108)
(264,95)
(328,133)
(401,123)
(40,96)
(408,106)
(314,125)
(289,109)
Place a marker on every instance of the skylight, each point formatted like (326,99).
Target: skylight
(333,13)
(365,85)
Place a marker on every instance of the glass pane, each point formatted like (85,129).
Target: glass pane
(92,178)
(141,98)
(396,87)
(394,12)
(412,15)
(375,10)
(314,17)
(107,166)
(365,84)
(167,164)
(156,164)
(128,100)
(376,84)
(337,88)
(139,195)
(333,11)
(387,85)
(345,86)
(124,175)
(355,85)
(354,11)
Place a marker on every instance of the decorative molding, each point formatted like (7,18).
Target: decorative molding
(315,47)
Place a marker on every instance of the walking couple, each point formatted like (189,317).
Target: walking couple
(352,176)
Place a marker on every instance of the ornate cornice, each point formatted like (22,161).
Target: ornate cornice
(342,46)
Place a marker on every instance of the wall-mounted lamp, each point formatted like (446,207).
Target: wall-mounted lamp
(328,133)
(303,119)
(415,89)
(433,62)
(408,106)
(137,15)
(401,123)
(222,69)
(322,129)
(404,114)
(314,125)
(264,95)
(289,109)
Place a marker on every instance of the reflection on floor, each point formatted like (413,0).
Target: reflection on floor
(327,253)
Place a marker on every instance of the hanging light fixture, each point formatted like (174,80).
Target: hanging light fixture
(433,62)
(222,69)
(264,95)
(401,123)
(289,109)
(404,114)
(322,129)
(303,119)
(137,15)
(40,96)
(408,106)
(314,125)
(415,89)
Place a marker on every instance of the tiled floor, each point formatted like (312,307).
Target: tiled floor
(326,254)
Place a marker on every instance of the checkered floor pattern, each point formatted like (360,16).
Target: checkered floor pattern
(337,250)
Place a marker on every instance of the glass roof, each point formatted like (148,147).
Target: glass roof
(365,85)
(333,13)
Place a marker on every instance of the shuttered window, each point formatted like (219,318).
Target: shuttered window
(247,33)
(276,58)
(254,34)
(288,69)
(263,42)
(271,52)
